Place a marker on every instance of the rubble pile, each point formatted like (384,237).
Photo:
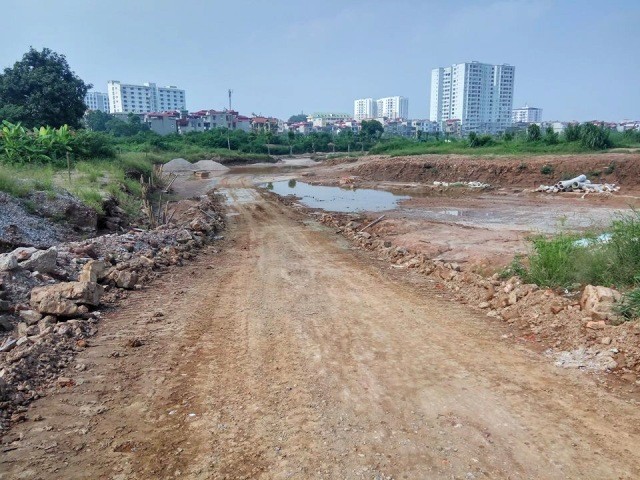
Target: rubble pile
(579,184)
(581,327)
(472,184)
(49,298)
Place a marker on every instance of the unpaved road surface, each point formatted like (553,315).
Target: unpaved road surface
(283,353)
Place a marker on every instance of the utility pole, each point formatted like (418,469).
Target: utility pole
(229,128)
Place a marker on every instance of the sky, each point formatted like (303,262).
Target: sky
(575,59)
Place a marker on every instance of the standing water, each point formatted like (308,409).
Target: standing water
(336,199)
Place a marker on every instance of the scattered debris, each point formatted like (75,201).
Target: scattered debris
(462,184)
(579,184)
(50,296)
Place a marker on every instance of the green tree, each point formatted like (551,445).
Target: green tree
(300,117)
(371,129)
(572,132)
(593,137)
(96,120)
(533,133)
(42,90)
(550,136)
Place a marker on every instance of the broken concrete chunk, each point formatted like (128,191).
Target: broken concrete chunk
(598,302)
(65,299)
(183,236)
(92,271)
(31,317)
(8,261)
(126,279)
(43,261)
(24,253)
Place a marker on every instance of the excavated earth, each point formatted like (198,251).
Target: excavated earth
(300,347)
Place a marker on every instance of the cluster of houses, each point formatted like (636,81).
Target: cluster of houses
(182,122)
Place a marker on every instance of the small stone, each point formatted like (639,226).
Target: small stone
(483,305)
(43,261)
(599,325)
(606,340)
(31,317)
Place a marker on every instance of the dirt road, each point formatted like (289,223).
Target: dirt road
(288,355)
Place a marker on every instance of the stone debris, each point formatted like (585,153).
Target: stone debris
(473,184)
(49,297)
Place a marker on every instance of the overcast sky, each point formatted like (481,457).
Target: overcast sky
(578,60)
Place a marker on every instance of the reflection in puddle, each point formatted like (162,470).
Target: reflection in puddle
(336,199)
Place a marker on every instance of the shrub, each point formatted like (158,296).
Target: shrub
(594,138)
(572,132)
(546,170)
(88,145)
(533,133)
(629,306)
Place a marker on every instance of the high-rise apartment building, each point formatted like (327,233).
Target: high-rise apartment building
(479,95)
(526,114)
(393,108)
(365,108)
(145,98)
(97,101)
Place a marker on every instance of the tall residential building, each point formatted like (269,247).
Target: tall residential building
(479,95)
(393,108)
(145,98)
(526,114)
(97,101)
(365,108)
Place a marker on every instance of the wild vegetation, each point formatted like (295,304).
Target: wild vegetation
(572,260)
(575,139)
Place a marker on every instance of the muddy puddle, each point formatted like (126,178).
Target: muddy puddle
(336,199)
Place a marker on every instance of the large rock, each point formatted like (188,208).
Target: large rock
(599,302)
(43,261)
(92,271)
(126,279)
(8,261)
(65,299)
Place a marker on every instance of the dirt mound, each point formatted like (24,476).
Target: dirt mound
(529,171)
(178,165)
(209,166)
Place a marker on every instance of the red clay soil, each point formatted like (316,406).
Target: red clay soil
(526,171)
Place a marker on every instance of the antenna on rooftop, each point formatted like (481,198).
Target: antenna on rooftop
(230,92)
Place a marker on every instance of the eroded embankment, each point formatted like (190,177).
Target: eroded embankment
(49,299)
(525,171)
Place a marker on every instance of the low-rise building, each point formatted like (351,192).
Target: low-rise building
(526,114)
(322,119)
(265,124)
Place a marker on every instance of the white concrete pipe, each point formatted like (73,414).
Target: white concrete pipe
(574,182)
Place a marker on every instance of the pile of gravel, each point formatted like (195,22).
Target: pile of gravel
(179,165)
(209,166)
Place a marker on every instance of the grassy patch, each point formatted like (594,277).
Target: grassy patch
(570,260)
(19,181)
(629,306)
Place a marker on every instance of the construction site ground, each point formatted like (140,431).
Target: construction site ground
(285,352)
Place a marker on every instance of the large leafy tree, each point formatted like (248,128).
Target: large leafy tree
(40,90)
(371,128)
(300,117)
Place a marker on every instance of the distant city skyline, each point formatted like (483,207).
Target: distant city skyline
(577,61)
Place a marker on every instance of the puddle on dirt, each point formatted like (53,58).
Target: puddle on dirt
(336,199)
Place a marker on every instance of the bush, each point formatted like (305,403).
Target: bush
(594,138)
(546,170)
(88,145)
(572,132)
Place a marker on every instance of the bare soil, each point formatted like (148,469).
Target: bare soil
(288,354)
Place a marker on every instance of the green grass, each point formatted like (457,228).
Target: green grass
(629,306)
(402,147)
(19,181)
(559,262)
